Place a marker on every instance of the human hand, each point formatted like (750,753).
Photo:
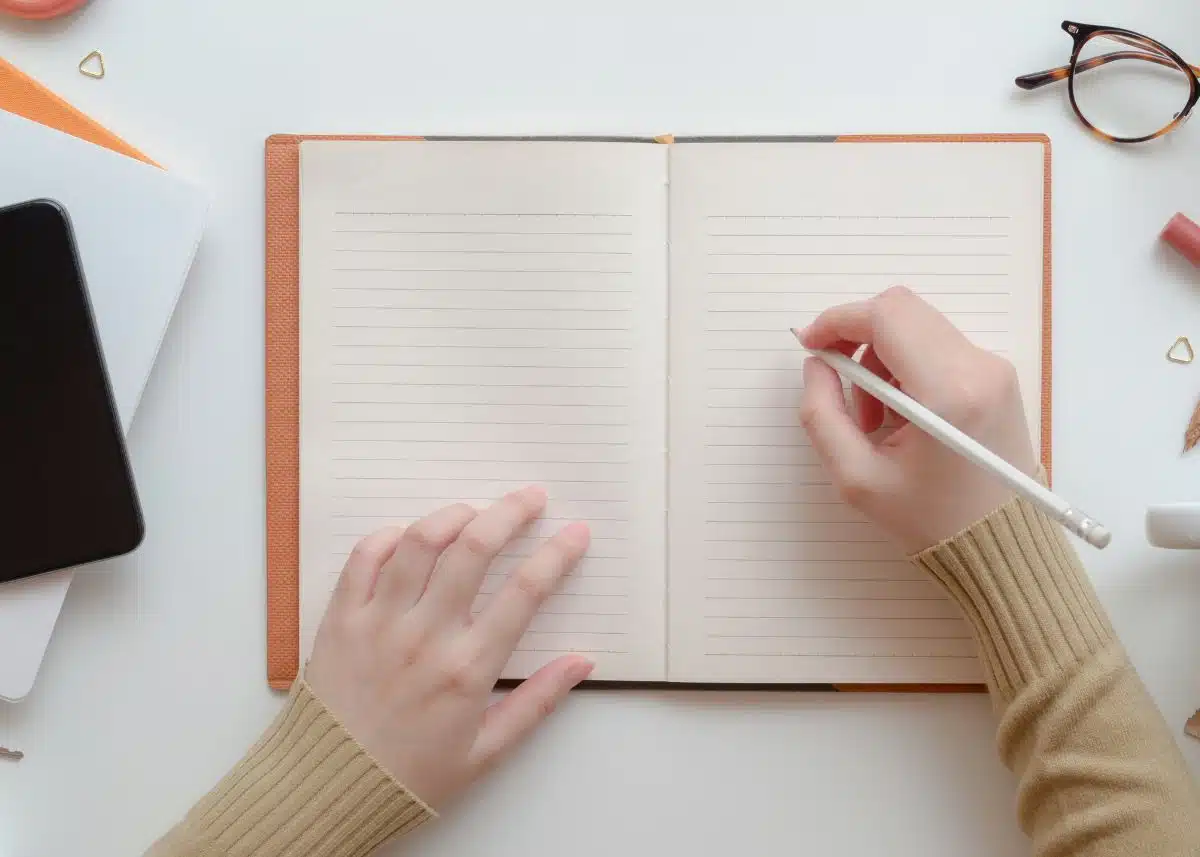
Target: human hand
(407,670)
(912,485)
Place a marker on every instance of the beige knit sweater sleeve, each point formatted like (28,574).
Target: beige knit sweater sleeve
(1100,772)
(306,789)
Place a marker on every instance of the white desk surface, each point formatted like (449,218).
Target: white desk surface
(154,682)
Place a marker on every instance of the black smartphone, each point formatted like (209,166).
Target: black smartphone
(67,494)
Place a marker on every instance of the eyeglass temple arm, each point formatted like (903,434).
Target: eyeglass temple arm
(1039,79)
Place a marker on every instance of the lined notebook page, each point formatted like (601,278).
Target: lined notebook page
(771,577)
(478,316)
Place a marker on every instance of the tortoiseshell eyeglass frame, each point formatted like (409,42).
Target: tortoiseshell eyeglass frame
(1148,50)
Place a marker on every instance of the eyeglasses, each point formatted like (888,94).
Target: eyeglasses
(1123,102)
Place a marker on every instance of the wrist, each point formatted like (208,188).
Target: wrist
(305,785)
(1025,593)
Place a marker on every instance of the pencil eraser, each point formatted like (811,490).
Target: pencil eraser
(1184,236)
(1174,525)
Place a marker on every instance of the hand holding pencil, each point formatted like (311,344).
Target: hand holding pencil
(935,475)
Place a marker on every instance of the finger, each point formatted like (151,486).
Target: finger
(846,323)
(506,618)
(912,338)
(405,575)
(357,579)
(868,410)
(847,453)
(512,719)
(456,581)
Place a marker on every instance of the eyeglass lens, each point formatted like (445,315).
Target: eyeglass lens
(1127,88)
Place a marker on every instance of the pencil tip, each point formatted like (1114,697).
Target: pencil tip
(796,332)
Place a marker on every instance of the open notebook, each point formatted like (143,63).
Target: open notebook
(610,320)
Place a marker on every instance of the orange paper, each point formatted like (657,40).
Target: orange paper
(22,95)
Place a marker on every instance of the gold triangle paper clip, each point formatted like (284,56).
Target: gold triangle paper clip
(92,65)
(1181,351)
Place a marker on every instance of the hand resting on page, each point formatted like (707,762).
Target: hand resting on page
(400,661)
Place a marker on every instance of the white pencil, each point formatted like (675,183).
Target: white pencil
(1088,529)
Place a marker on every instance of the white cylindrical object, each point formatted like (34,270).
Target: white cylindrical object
(1174,525)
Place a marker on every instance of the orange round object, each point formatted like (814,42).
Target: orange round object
(38,9)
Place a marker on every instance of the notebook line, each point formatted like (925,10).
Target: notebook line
(801,561)
(487,384)
(458,499)
(504,442)
(796,541)
(513,482)
(380,270)
(537,309)
(389,365)
(858,217)
(858,255)
(474,423)
(472,232)
(815,313)
(955,619)
(476,404)
(848,295)
(572,633)
(935,599)
(475,252)
(545,612)
(578,649)
(827,636)
(872,580)
(988,235)
(558,291)
(480,347)
(555,329)
(832,655)
(482,270)
(475,214)
(543,518)
(749,408)
(425,460)
(893,274)
(574,575)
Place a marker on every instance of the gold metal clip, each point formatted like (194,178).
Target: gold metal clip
(92,65)
(1181,351)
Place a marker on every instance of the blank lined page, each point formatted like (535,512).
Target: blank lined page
(476,317)
(771,577)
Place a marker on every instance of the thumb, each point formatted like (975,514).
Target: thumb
(848,454)
(511,720)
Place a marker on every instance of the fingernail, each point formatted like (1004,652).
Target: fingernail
(578,533)
(533,493)
(579,671)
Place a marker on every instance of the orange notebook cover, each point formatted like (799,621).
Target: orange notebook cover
(282,379)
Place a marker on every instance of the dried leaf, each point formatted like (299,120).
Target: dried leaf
(1193,725)
(1192,436)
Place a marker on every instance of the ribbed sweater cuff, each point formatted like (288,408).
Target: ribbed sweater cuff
(306,788)
(1024,591)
